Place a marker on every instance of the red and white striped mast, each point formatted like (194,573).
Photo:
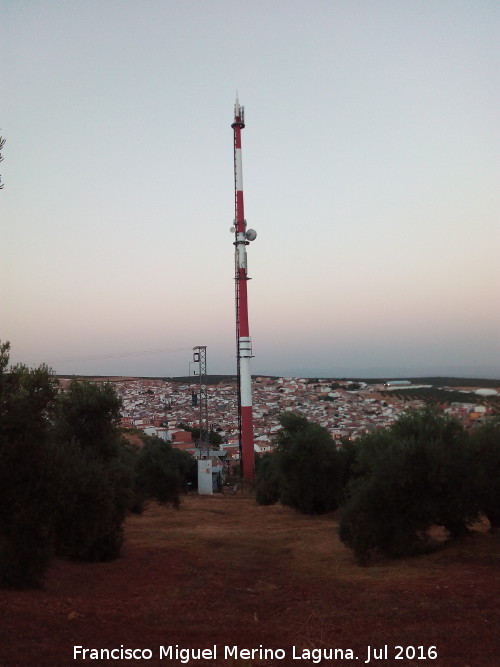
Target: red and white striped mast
(243,341)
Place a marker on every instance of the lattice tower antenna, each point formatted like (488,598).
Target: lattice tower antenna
(200,357)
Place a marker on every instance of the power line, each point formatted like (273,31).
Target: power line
(118,355)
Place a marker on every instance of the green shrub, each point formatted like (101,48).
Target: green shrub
(160,472)
(96,496)
(267,487)
(408,477)
(485,442)
(26,473)
(306,470)
(309,471)
(385,509)
(97,481)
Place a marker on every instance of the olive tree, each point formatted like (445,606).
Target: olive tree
(408,477)
(98,481)
(306,470)
(486,452)
(162,472)
(27,473)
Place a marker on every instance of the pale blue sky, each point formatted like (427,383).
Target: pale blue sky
(370,163)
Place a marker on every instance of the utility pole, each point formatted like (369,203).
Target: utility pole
(200,357)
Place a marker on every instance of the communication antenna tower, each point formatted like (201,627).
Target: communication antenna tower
(243,236)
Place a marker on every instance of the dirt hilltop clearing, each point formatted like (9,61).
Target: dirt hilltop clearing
(224,571)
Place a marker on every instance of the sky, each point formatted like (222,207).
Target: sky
(370,167)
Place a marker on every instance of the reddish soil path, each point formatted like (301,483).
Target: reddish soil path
(223,571)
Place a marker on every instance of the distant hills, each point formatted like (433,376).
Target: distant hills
(439,381)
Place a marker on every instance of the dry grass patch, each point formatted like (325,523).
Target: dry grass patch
(225,571)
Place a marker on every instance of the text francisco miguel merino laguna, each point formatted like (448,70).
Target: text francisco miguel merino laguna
(315,655)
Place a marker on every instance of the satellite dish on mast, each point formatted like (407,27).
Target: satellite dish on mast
(251,234)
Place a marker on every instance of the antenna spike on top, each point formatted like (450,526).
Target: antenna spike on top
(239,111)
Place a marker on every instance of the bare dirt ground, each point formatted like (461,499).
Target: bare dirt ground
(223,571)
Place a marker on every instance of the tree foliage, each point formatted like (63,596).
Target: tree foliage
(444,445)
(393,484)
(97,482)
(383,509)
(306,470)
(486,466)
(67,476)
(309,471)
(267,487)
(162,472)
(26,473)
(214,438)
(89,415)
(413,475)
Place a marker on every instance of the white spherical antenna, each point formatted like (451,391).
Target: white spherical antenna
(251,234)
